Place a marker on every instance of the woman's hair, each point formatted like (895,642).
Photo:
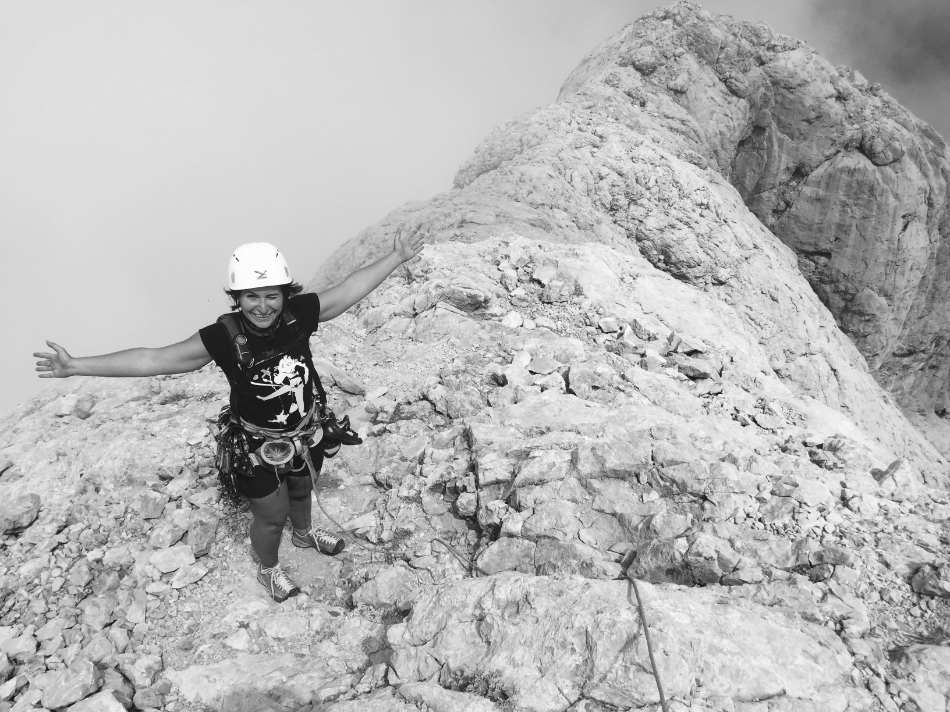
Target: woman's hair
(289,290)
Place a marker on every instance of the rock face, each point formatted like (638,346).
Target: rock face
(840,172)
(641,152)
(550,644)
(603,367)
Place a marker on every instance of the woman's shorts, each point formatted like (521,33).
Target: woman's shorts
(264,481)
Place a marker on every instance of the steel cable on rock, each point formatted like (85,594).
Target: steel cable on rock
(646,633)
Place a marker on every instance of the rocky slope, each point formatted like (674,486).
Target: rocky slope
(603,368)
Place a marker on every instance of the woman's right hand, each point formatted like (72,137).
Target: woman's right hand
(53,365)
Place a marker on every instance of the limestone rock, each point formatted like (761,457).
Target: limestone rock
(932,581)
(543,366)
(75,683)
(140,670)
(898,481)
(247,681)
(512,320)
(201,531)
(340,378)
(19,513)
(754,654)
(165,534)
(172,558)
(150,504)
(104,701)
(926,675)
(187,574)
(99,611)
(393,587)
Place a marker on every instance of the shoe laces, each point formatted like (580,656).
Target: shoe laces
(323,536)
(279,579)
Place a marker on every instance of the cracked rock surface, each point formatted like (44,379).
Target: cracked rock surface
(603,367)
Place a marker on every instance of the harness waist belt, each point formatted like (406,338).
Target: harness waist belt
(280,446)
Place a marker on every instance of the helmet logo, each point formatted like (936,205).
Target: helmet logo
(261,275)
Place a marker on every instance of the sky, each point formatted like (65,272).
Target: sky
(141,142)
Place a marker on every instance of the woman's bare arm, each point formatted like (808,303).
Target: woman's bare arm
(338,299)
(185,356)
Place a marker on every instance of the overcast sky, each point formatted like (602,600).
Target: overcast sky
(141,142)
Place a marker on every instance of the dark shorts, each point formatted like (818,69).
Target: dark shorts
(264,481)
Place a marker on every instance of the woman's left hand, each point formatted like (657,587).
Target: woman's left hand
(408,246)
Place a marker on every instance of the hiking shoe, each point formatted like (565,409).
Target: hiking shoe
(278,583)
(320,539)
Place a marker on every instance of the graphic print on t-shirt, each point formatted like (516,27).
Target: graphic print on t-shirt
(288,378)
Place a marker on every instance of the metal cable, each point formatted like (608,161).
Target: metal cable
(646,633)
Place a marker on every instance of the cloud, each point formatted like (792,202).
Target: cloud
(904,45)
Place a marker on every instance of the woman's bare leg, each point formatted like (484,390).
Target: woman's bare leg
(270,515)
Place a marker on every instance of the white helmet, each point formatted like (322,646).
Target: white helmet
(257,264)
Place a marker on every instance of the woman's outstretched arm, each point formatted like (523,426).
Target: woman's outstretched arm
(338,299)
(185,356)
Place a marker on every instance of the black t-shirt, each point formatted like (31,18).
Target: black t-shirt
(280,390)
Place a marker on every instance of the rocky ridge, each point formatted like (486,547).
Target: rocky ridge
(602,367)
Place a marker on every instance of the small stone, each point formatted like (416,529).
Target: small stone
(178,486)
(643,331)
(608,325)
(165,534)
(201,531)
(512,320)
(696,368)
(239,640)
(150,504)
(543,365)
(19,648)
(140,671)
(104,701)
(466,504)
(553,381)
(117,557)
(652,361)
(150,697)
(76,682)
(204,497)
(582,380)
(19,513)
(187,575)
(898,481)
(119,637)
(99,611)
(172,558)
(932,581)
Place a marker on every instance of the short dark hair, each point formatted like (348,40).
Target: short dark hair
(289,290)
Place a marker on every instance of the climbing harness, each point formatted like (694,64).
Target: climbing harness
(281,446)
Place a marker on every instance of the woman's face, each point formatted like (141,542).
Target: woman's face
(261,305)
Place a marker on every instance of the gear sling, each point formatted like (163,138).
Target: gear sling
(234,457)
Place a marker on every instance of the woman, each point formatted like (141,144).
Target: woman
(264,351)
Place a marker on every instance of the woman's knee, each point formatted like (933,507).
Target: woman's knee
(271,511)
(299,488)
